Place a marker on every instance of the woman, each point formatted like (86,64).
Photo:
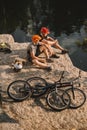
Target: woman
(49,40)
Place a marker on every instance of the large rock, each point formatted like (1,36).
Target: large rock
(6,38)
(34,114)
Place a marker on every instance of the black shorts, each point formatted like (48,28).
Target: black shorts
(29,57)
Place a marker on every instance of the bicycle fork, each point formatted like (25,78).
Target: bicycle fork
(72,90)
(58,97)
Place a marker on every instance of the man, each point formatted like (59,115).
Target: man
(32,52)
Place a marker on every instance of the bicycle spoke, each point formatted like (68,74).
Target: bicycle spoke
(17,90)
(56,100)
(38,84)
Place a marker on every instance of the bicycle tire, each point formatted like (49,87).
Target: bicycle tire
(19,90)
(79,100)
(56,100)
(39,86)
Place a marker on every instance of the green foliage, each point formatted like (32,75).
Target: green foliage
(84,42)
(78,43)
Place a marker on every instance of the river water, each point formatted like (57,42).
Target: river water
(76,53)
(24,18)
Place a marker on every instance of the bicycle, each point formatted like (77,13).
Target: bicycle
(57,99)
(77,96)
(20,90)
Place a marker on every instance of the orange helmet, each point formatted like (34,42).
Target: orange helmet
(36,38)
(44,30)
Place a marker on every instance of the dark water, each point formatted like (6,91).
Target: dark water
(65,19)
(30,15)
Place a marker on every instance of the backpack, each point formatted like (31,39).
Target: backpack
(5,47)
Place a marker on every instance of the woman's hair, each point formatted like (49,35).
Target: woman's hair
(44,30)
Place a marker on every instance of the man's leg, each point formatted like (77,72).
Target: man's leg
(36,62)
(45,51)
(42,65)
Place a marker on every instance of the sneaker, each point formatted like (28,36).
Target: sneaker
(64,51)
(55,56)
(48,68)
(49,60)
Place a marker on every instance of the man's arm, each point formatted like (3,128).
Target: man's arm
(37,58)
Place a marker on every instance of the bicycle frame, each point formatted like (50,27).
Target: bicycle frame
(58,84)
(69,84)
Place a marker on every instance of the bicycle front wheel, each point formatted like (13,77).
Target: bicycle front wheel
(19,90)
(59,100)
(77,96)
(39,86)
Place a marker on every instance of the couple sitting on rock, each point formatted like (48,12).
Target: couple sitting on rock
(43,43)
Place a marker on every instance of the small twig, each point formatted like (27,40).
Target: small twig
(0,98)
(79,73)
(79,77)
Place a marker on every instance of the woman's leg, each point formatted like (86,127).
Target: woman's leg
(55,44)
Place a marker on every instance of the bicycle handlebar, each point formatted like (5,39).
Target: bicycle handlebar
(61,76)
(68,81)
(74,79)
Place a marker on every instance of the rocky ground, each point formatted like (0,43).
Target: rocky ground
(34,114)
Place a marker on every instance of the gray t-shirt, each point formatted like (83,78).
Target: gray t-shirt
(32,48)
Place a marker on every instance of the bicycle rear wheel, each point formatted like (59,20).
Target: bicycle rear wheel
(19,90)
(59,100)
(77,96)
(39,86)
